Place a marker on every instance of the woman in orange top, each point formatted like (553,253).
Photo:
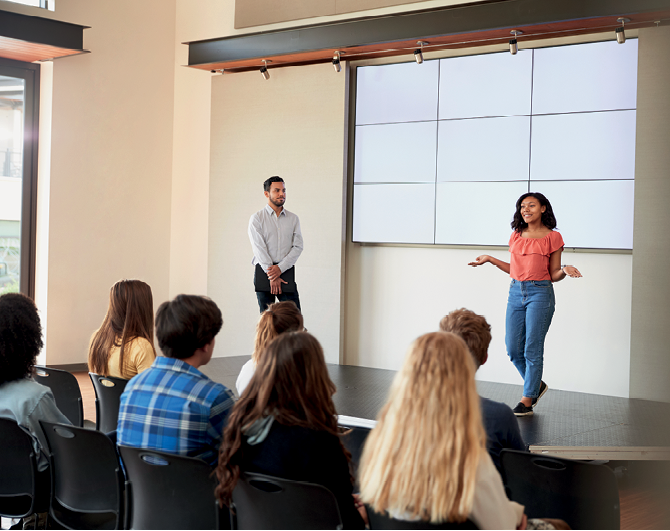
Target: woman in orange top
(535,249)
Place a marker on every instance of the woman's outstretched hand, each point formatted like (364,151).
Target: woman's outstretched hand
(481,260)
(572,271)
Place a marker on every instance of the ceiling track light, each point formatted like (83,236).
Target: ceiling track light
(264,69)
(418,53)
(513,46)
(619,32)
(336,61)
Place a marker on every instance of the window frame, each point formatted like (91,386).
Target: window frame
(30,73)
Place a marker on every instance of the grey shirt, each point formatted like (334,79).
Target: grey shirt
(275,239)
(28,402)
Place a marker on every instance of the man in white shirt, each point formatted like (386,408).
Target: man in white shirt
(276,241)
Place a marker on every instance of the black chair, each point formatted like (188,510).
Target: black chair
(166,491)
(23,490)
(108,391)
(66,391)
(86,479)
(266,502)
(354,440)
(585,495)
(384,521)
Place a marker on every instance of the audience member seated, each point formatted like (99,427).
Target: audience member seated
(123,346)
(285,425)
(426,459)
(502,428)
(280,317)
(21,398)
(172,406)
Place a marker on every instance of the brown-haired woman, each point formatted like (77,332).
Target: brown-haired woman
(285,425)
(279,317)
(426,458)
(123,346)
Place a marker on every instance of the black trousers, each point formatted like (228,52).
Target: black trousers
(265,298)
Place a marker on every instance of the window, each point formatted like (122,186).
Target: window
(19,84)
(45,4)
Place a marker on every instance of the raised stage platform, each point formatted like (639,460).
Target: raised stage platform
(565,423)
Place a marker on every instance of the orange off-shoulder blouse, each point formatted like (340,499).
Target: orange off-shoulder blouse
(530,256)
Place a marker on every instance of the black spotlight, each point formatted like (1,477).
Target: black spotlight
(264,70)
(418,53)
(619,32)
(513,46)
(418,56)
(336,62)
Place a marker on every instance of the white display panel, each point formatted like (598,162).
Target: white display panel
(497,84)
(481,212)
(598,145)
(560,119)
(484,149)
(394,213)
(592,214)
(396,152)
(405,92)
(592,77)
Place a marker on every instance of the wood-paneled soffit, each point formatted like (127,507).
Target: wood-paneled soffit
(471,25)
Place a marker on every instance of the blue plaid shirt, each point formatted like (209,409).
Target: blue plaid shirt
(173,407)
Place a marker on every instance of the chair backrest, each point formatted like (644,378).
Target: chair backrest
(354,440)
(108,391)
(18,471)
(87,485)
(585,495)
(266,502)
(166,491)
(66,391)
(384,521)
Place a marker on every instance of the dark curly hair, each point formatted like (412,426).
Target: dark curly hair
(548,218)
(20,336)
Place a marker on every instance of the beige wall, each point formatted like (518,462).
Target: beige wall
(292,125)
(110,168)
(650,341)
(190,152)
(258,12)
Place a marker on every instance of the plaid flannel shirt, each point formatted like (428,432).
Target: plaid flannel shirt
(172,407)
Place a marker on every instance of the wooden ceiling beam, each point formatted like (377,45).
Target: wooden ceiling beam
(28,38)
(478,24)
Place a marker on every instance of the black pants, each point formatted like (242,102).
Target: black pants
(265,298)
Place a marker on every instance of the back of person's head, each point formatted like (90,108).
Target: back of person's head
(280,317)
(130,315)
(292,384)
(473,329)
(20,336)
(422,457)
(186,324)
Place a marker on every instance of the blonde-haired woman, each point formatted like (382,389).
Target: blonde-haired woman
(426,459)
(279,317)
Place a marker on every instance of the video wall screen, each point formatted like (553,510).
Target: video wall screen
(444,149)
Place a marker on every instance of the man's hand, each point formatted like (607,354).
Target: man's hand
(275,286)
(274,272)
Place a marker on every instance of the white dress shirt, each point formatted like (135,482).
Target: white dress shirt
(275,239)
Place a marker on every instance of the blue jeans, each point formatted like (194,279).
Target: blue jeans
(265,298)
(530,307)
